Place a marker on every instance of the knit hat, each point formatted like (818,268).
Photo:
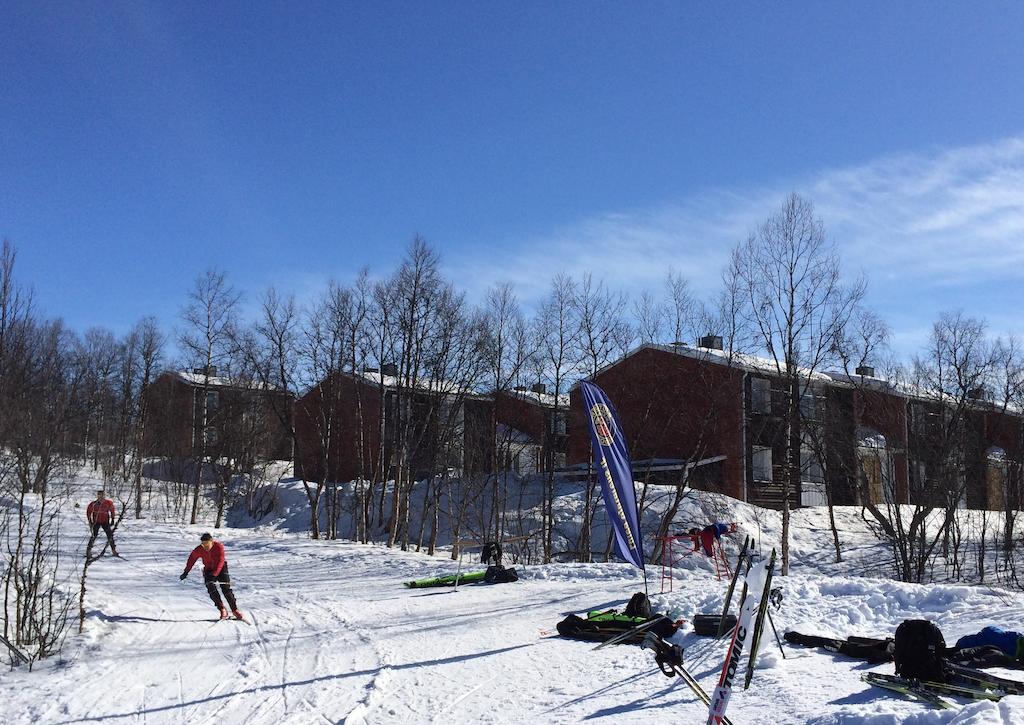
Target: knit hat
(206,537)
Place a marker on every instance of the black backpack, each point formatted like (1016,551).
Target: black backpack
(497,574)
(491,553)
(639,606)
(919,650)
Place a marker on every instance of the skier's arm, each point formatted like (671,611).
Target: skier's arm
(191,560)
(88,513)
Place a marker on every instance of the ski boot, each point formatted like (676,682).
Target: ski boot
(223,613)
(237,614)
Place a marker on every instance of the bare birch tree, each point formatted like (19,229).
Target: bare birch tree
(603,334)
(944,380)
(324,349)
(796,302)
(556,332)
(507,362)
(862,343)
(650,317)
(206,341)
(149,349)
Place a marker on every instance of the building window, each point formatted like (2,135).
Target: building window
(212,399)
(761,395)
(918,475)
(558,424)
(762,463)
(808,405)
(559,460)
(876,477)
(810,466)
(995,479)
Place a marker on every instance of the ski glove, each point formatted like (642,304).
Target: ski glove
(182,577)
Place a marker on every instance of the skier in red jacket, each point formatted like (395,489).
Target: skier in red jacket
(100,513)
(215,571)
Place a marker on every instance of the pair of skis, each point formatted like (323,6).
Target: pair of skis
(744,553)
(632,632)
(231,619)
(981,686)
(762,614)
(983,679)
(774,597)
(909,688)
(753,610)
(930,692)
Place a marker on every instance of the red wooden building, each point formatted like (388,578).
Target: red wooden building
(231,416)
(717,421)
(531,431)
(347,426)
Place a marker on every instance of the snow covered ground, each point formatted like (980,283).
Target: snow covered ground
(336,638)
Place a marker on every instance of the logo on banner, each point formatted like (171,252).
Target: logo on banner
(603,425)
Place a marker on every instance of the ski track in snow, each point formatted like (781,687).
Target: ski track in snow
(334,638)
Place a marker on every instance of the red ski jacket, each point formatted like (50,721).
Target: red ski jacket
(213,560)
(100,512)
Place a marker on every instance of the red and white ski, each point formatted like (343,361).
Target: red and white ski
(754,589)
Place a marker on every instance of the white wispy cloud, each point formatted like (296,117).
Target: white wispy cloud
(952,218)
(931,230)
(633,248)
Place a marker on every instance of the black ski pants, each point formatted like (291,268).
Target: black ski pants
(107,530)
(224,581)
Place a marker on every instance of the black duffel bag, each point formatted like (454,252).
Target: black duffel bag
(707,625)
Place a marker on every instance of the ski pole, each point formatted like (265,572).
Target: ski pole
(776,633)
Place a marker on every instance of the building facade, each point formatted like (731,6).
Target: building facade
(349,426)
(531,430)
(189,412)
(719,422)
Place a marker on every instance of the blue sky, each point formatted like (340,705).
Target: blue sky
(289,143)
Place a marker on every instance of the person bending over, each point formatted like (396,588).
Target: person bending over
(215,573)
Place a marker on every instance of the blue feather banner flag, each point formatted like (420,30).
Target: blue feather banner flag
(615,472)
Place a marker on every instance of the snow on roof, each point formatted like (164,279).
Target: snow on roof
(754,363)
(743,361)
(452,388)
(425,384)
(738,359)
(546,399)
(218,381)
(920,392)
